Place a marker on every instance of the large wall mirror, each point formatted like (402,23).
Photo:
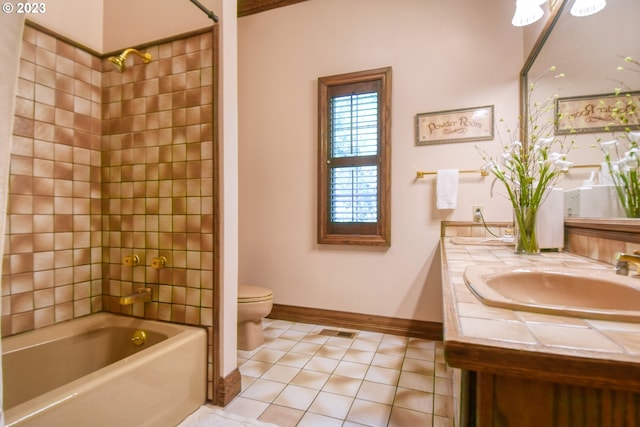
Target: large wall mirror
(588,51)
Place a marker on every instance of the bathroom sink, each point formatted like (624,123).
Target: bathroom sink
(595,294)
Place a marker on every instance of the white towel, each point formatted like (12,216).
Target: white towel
(447,189)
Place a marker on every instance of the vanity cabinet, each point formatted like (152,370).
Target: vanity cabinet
(525,369)
(501,400)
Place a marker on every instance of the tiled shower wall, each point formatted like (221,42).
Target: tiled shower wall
(52,255)
(157,181)
(104,165)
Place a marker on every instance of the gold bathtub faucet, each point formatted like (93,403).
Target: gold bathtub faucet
(140,295)
(623,261)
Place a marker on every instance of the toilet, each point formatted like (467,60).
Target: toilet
(254,303)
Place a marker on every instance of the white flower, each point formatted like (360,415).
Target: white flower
(608,145)
(634,136)
(627,163)
(543,143)
(563,165)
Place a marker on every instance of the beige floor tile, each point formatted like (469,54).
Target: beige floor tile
(441,370)
(314,338)
(388,361)
(268,355)
(282,344)
(254,368)
(315,420)
(413,399)
(339,342)
(246,407)
(365,344)
(273,332)
(442,386)
(280,324)
(420,353)
(306,348)
(310,379)
(263,390)
(293,335)
(416,381)
(322,364)
(382,375)
(358,356)
(306,327)
(401,417)
(376,392)
(351,369)
(331,352)
(331,405)
(439,421)
(395,339)
(296,397)
(391,348)
(303,379)
(442,405)
(281,373)
(370,336)
(421,343)
(246,381)
(297,360)
(281,416)
(425,367)
(369,413)
(342,385)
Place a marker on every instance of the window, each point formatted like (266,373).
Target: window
(354,125)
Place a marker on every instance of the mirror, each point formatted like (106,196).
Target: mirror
(587,50)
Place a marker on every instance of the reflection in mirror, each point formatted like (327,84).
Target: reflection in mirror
(588,51)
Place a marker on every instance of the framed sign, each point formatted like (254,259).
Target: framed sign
(470,124)
(594,113)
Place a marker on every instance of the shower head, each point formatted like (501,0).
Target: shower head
(119,61)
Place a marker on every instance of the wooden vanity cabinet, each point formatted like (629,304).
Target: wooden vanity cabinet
(496,400)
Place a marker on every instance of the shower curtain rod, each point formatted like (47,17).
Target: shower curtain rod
(207,12)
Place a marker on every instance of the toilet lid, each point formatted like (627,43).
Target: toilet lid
(253,294)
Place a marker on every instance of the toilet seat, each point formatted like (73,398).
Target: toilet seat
(247,294)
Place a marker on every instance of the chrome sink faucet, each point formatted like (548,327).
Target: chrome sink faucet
(623,261)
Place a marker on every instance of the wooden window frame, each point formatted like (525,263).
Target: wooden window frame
(373,234)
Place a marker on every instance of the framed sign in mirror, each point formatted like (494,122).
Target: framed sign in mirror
(597,113)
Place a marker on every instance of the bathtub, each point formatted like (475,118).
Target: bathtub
(89,372)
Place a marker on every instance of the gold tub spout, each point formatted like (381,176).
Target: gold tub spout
(140,295)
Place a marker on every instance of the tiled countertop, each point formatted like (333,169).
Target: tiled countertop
(555,348)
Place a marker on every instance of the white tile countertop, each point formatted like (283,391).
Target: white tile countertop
(550,347)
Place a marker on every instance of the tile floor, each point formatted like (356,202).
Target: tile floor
(299,377)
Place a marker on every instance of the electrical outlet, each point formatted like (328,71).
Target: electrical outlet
(477,213)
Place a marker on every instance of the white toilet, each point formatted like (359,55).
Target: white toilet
(254,303)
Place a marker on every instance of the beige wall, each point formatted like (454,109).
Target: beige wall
(445,55)
(107,26)
(79,20)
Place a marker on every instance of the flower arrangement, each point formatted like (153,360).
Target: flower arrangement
(624,172)
(625,168)
(529,170)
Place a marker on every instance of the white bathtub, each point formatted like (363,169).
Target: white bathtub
(87,372)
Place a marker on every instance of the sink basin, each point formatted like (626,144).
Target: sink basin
(595,294)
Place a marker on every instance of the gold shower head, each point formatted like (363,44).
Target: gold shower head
(119,60)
